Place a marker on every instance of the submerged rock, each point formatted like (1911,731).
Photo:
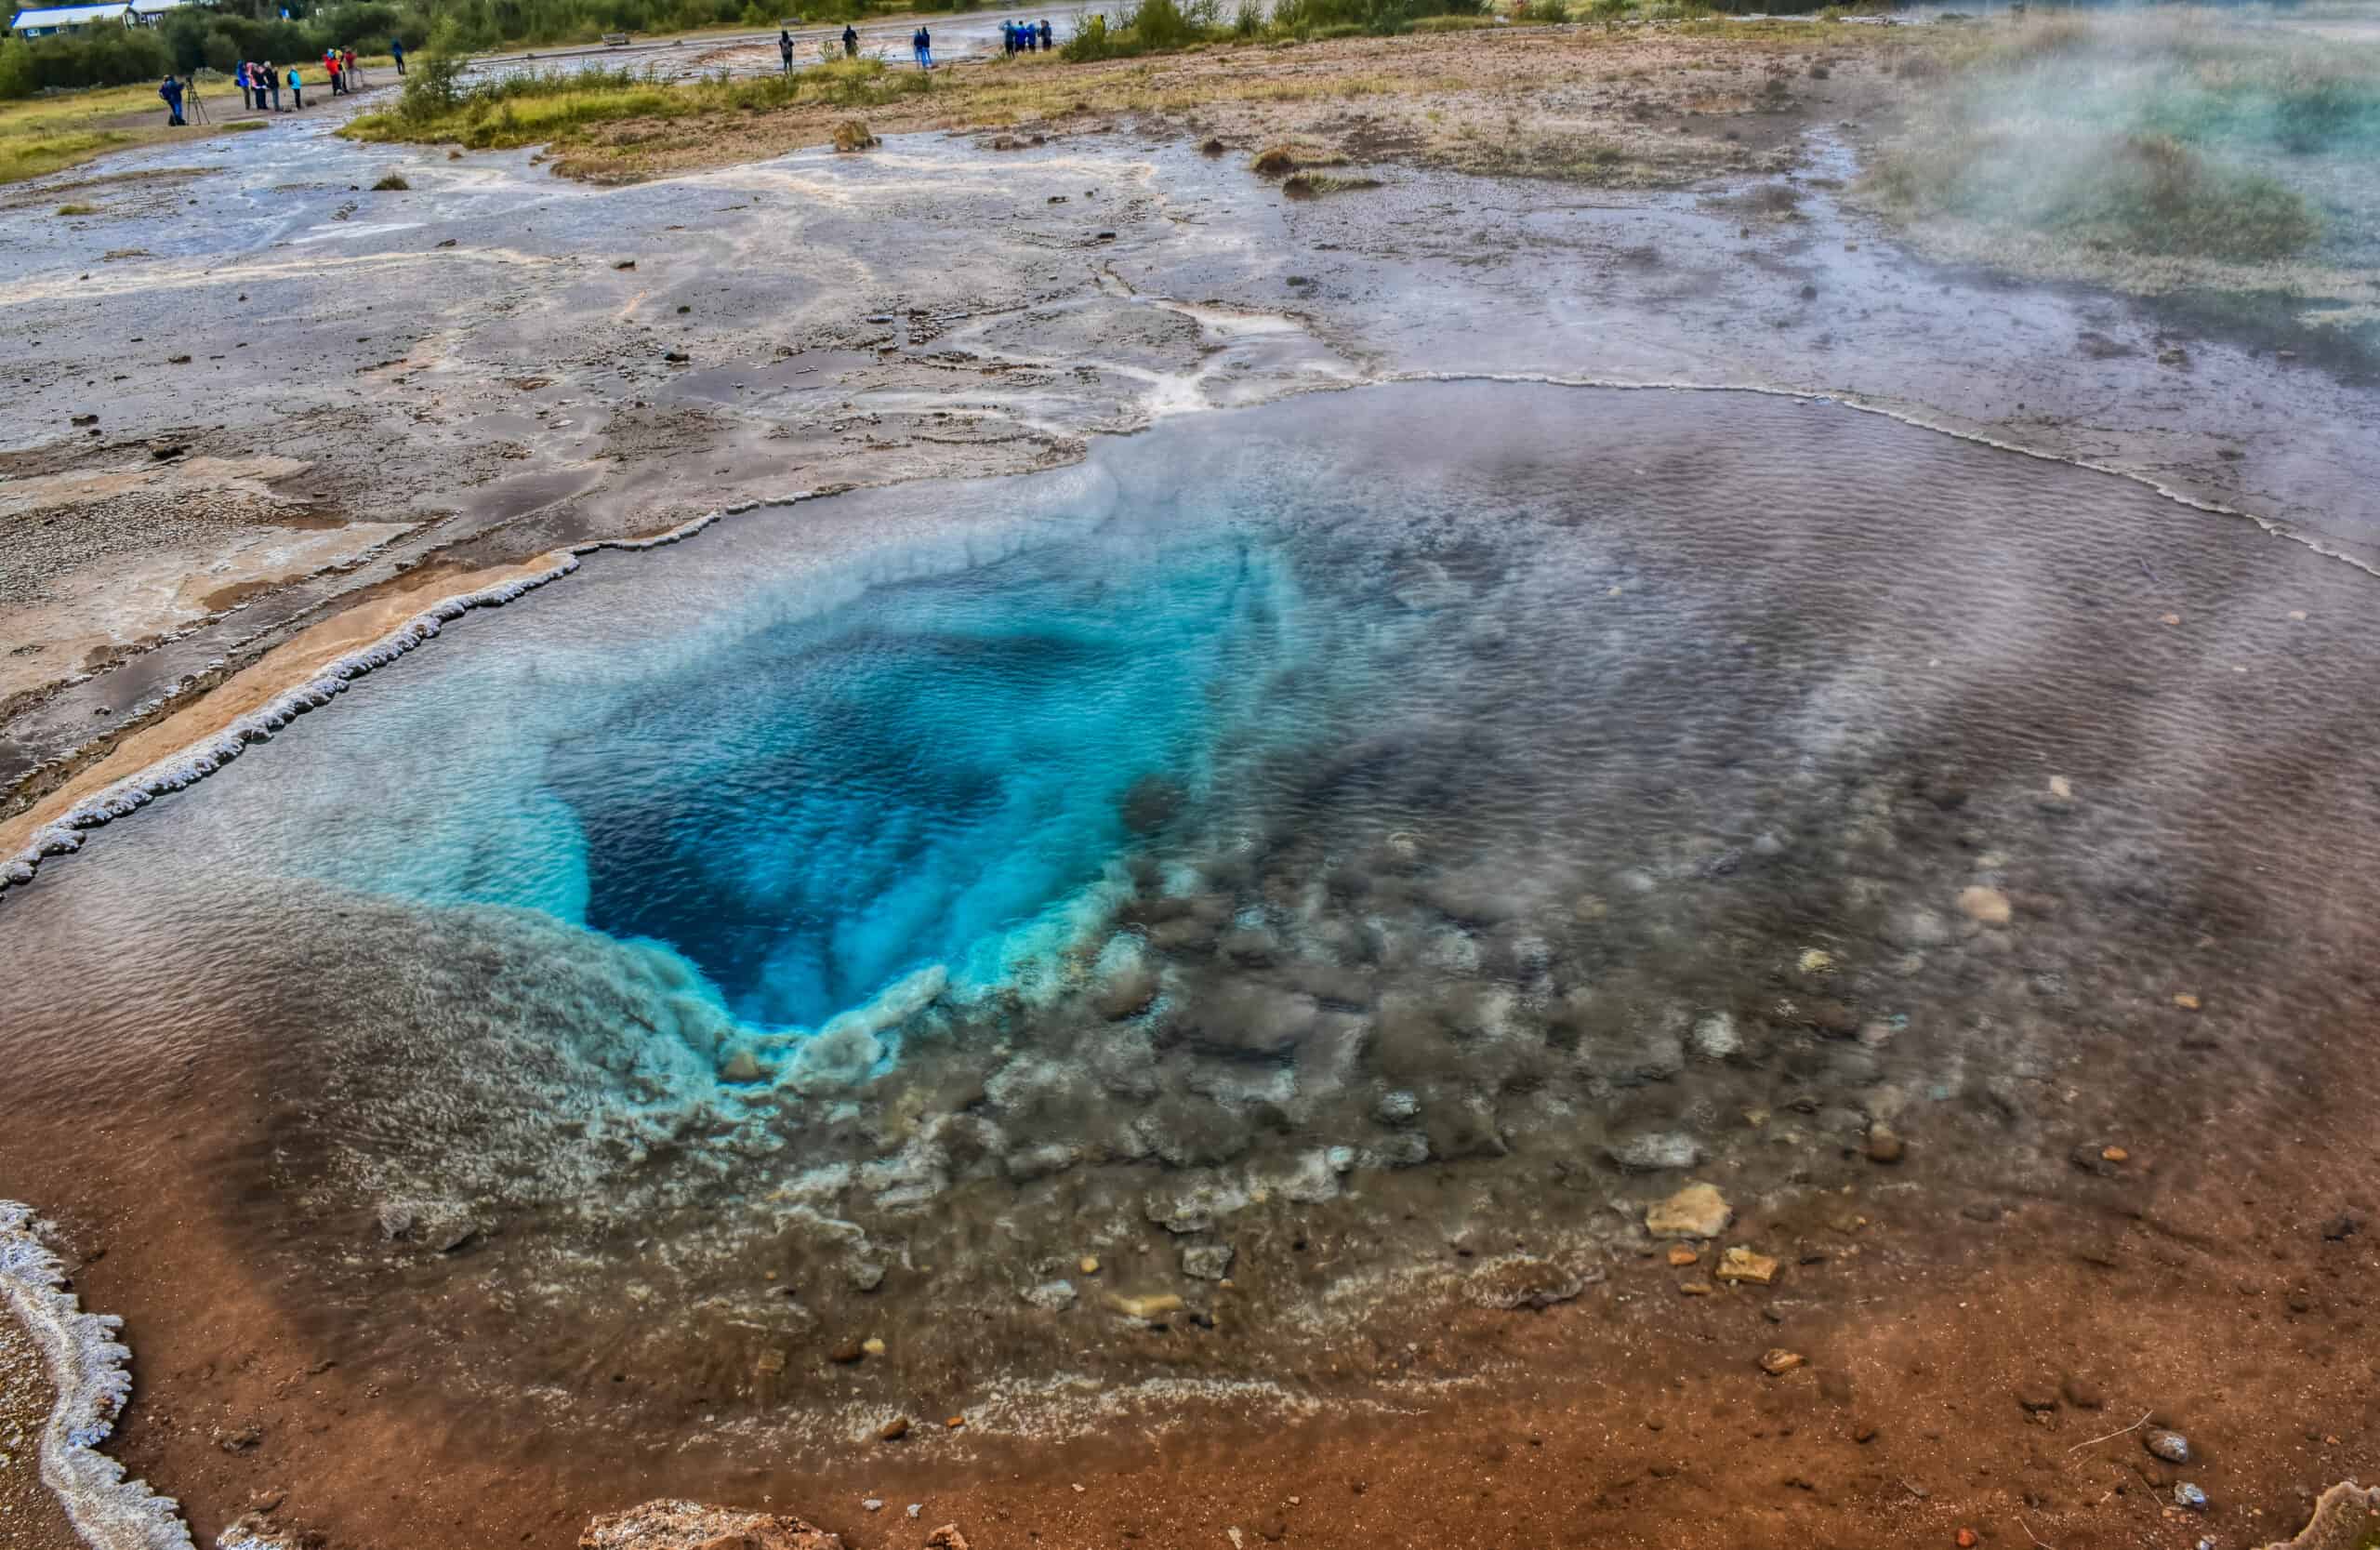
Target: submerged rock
(1193,1132)
(1051,1296)
(1206,1262)
(1245,1016)
(1654,1151)
(1697,1211)
(1127,992)
(693,1526)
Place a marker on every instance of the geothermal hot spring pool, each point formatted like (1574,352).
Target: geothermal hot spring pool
(1319,861)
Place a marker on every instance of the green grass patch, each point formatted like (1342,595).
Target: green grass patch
(38,156)
(540,109)
(78,209)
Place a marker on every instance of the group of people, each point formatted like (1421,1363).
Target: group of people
(1016,37)
(260,83)
(1024,37)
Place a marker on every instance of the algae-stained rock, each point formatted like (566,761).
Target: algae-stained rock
(1524,1281)
(1697,1211)
(2346,1518)
(693,1526)
(1743,1264)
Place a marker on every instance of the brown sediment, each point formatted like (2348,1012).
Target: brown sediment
(30,1516)
(1957,1369)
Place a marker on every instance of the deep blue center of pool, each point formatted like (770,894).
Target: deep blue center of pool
(848,798)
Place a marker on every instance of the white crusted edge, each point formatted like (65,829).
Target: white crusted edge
(86,1366)
(63,836)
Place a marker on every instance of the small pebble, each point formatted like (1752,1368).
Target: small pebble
(873,1504)
(2188,1495)
(2172,1446)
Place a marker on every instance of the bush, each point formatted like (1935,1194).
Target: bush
(433,86)
(105,56)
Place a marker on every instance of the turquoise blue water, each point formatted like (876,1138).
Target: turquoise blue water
(922,778)
(1291,846)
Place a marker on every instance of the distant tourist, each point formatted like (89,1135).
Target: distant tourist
(354,77)
(851,41)
(272,85)
(1045,32)
(785,49)
(1008,37)
(397,52)
(297,88)
(330,68)
(240,79)
(923,44)
(172,92)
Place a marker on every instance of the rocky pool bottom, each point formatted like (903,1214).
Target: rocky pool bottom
(1527,802)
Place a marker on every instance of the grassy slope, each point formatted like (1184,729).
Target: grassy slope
(621,127)
(41,134)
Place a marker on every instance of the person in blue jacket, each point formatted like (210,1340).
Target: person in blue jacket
(397,51)
(172,92)
(1045,33)
(297,88)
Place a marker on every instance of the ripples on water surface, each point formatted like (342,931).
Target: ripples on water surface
(1294,842)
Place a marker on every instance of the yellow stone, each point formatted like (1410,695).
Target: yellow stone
(1778,1362)
(1697,1211)
(1743,1264)
(1090,1264)
(1154,1307)
(2061,788)
(1696,1289)
(2186,1002)
(2114,1154)
(1680,1256)
(1817,963)
(1989,905)
(872,1345)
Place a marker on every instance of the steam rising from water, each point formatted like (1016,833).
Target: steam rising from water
(902,895)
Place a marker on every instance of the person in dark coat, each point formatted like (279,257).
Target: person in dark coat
(851,41)
(172,92)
